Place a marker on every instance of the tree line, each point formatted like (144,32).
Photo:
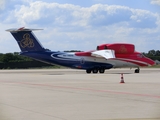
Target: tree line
(13,57)
(153,54)
(14,60)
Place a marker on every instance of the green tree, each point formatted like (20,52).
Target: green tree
(157,53)
(151,53)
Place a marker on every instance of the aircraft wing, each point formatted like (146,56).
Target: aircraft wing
(107,54)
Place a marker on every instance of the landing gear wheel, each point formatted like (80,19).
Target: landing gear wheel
(137,70)
(88,71)
(95,70)
(102,70)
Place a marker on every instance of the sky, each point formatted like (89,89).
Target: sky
(82,24)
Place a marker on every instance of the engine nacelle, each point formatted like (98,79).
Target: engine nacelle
(119,48)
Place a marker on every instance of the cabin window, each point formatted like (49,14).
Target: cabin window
(140,56)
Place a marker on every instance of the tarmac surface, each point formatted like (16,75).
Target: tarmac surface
(68,94)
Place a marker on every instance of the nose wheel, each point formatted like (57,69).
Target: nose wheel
(137,70)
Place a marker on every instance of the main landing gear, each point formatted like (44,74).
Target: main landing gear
(102,70)
(137,70)
(95,70)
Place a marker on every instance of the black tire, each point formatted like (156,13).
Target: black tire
(102,70)
(95,70)
(88,71)
(137,70)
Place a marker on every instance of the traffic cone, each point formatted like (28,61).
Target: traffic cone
(122,80)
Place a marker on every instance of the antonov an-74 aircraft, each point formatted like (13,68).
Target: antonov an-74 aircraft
(107,56)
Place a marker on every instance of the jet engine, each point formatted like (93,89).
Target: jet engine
(119,48)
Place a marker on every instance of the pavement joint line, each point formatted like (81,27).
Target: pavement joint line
(85,89)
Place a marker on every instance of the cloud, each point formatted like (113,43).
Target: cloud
(45,13)
(2,4)
(143,19)
(104,15)
(107,15)
(68,26)
(60,15)
(156,2)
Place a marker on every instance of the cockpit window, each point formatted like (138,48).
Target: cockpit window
(140,56)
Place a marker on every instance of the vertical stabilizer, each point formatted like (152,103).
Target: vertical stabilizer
(26,39)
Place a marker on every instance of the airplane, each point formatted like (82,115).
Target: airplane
(106,56)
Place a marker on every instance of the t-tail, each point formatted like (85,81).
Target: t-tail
(26,39)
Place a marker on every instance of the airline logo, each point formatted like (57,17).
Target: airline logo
(27,41)
(123,49)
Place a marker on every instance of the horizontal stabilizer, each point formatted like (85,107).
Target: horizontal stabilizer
(107,54)
(21,29)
